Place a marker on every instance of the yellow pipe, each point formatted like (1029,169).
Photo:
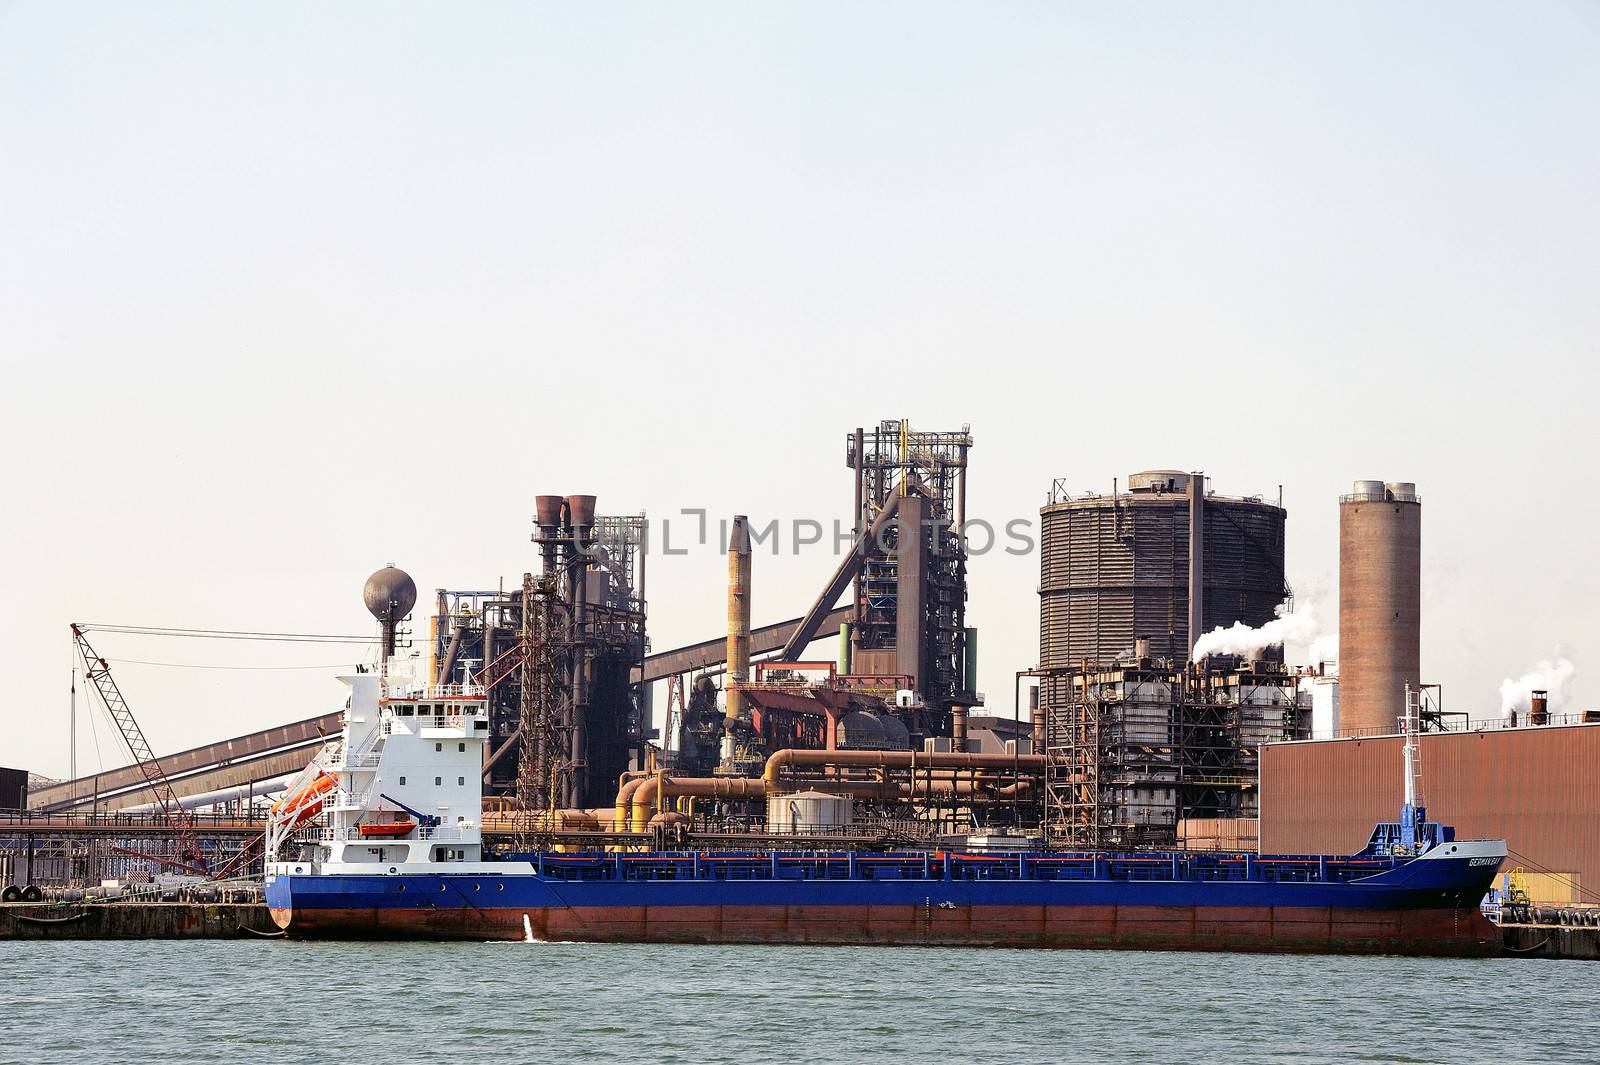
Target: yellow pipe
(899,760)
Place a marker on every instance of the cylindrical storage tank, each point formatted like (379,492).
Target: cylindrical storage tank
(1158,481)
(1365,490)
(1404,491)
(970,672)
(844,648)
(1116,567)
(1380,608)
(807,812)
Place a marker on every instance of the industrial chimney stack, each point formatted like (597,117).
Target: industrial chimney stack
(738,614)
(1380,604)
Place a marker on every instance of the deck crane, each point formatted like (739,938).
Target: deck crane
(98,671)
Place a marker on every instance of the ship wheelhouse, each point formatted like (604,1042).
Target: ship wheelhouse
(407,777)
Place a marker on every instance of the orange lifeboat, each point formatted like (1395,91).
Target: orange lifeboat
(304,803)
(385,829)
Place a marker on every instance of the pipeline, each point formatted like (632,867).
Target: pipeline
(444,667)
(645,799)
(647,793)
(636,799)
(901,760)
(601,818)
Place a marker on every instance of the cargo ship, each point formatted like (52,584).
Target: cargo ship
(383,837)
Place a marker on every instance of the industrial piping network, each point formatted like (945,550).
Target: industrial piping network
(639,799)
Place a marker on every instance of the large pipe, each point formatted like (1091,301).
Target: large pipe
(637,796)
(899,760)
(738,614)
(644,800)
(958,729)
(210,798)
(625,795)
(848,567)
(448,663)
(601,819)
(1197,558)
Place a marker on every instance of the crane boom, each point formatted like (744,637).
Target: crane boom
(98,671)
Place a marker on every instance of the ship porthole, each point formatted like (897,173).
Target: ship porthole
(477,887)
(441,887)
(499,887)
(297,869)
(402,887)
(391,868)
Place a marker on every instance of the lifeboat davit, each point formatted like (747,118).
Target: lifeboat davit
(304,803)
(385,829)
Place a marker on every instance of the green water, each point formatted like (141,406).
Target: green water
(351,1004)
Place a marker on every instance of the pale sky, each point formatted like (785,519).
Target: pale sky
(288,292)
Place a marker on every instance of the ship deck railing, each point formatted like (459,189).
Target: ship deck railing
(945,866)
(444,834)
(406,689)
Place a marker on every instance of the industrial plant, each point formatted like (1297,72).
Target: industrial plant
(857,722)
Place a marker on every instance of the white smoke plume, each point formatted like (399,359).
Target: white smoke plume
(1325,648)
(1240,639)
(1554,677)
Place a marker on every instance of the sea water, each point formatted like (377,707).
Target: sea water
(233,1002)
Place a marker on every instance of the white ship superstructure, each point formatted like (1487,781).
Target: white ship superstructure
(401,789)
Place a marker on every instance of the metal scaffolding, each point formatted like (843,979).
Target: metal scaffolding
(1132,750)
(78,850)
(582,615)
(911,598)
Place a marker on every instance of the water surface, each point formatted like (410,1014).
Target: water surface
(394,1003)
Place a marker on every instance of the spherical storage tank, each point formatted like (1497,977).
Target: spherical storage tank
(390,593)
(1114,568)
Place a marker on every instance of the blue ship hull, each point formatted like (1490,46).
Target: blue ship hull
(1162,901)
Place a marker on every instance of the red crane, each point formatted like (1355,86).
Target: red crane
(189,857)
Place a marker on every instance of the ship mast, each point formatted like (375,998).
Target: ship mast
(1415,812)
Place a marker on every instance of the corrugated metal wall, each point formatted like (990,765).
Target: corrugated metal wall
(1538,788)
(1100,590)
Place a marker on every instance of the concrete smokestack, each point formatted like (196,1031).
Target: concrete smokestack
(1380,604)
(738,613)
